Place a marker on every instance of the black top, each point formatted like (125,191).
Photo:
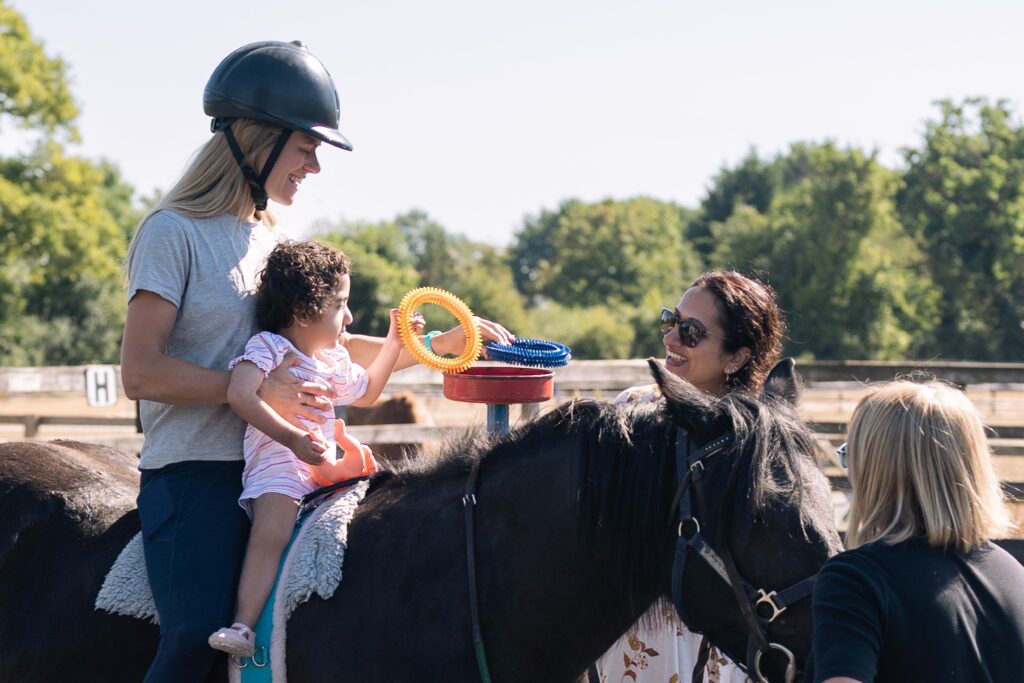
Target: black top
(910,612)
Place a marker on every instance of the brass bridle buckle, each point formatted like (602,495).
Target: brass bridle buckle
(768,599)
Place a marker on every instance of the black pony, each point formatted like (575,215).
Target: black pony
(572,544)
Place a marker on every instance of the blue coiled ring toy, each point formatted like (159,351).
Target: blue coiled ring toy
(530,352)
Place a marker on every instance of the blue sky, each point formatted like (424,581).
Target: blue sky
(481,113)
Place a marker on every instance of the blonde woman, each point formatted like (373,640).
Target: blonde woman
(922,594)
(192,277)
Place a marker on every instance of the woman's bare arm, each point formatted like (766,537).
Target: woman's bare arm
(148,373)
(363,348)
(379,371)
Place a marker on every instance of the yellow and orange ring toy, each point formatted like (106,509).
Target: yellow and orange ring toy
(455,306)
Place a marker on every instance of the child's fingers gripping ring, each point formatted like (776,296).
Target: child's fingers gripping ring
(451,303)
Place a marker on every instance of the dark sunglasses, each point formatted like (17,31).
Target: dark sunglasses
(690,333)
(841,453)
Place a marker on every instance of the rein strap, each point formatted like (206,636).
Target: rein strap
(468,503)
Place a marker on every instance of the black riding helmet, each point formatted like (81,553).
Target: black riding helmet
(280,83)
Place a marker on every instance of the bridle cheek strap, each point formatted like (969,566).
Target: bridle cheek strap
(690,470)
(691,465)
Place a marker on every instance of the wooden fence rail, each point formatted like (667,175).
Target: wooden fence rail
(832,389)
(589,375)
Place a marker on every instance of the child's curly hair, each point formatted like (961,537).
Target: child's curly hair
(297,282)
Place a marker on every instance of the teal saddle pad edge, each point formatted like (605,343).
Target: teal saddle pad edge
(265,624)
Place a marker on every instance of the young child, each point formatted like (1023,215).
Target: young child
(302,306)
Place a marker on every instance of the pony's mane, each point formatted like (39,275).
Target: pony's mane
(626,469)
(768,461)
(461,449)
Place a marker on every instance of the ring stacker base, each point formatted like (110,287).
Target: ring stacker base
(499,386)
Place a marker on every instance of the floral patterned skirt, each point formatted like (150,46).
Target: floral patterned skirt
(656,652)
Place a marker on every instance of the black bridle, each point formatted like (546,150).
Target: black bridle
(758,606)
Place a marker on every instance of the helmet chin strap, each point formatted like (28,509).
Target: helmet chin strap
(257,184)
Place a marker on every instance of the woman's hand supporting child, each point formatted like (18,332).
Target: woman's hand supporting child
(246,380)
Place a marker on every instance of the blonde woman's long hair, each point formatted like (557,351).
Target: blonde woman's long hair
(920,466)
(213,184)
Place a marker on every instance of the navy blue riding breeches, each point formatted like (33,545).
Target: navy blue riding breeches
(194,536)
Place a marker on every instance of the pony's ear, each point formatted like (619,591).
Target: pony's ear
(690,408)
(783,382)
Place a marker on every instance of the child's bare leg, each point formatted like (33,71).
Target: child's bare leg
(273,520)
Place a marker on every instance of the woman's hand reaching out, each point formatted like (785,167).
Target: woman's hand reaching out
(454,340)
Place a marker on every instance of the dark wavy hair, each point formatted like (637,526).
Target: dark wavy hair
(751,317)
(298,282)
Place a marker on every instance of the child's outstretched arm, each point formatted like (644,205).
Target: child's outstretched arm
(364,349)
(379,371)
(245,381)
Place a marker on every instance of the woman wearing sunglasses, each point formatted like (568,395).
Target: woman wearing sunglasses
(725,334)
(922,594)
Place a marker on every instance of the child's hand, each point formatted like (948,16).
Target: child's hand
(419,323)
(309,447)
(393,337)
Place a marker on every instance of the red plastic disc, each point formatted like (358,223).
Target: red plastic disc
(500,385)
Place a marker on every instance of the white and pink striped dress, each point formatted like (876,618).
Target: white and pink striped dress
(269,466)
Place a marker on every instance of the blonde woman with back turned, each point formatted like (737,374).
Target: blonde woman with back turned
(922,594)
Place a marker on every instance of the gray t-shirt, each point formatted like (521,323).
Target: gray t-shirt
(208,268)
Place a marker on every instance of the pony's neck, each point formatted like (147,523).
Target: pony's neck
(558,582)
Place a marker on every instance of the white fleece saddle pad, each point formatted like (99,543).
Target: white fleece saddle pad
(313,564)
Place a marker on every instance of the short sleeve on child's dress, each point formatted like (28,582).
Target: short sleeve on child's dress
(264,351)
(348,379)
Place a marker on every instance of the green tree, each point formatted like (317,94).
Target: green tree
(382,270)
(434,252)
(477,273)
(963,196)
(66,219)
(753,183)
(604,253)
(485,283)
(393,257)
(592,332)
(851,281)
(34,91)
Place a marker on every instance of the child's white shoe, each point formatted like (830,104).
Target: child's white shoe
(237,639)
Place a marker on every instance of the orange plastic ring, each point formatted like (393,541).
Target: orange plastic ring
(455,306)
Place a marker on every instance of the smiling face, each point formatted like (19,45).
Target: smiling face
(707,364)
(296,161)
(324,333)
